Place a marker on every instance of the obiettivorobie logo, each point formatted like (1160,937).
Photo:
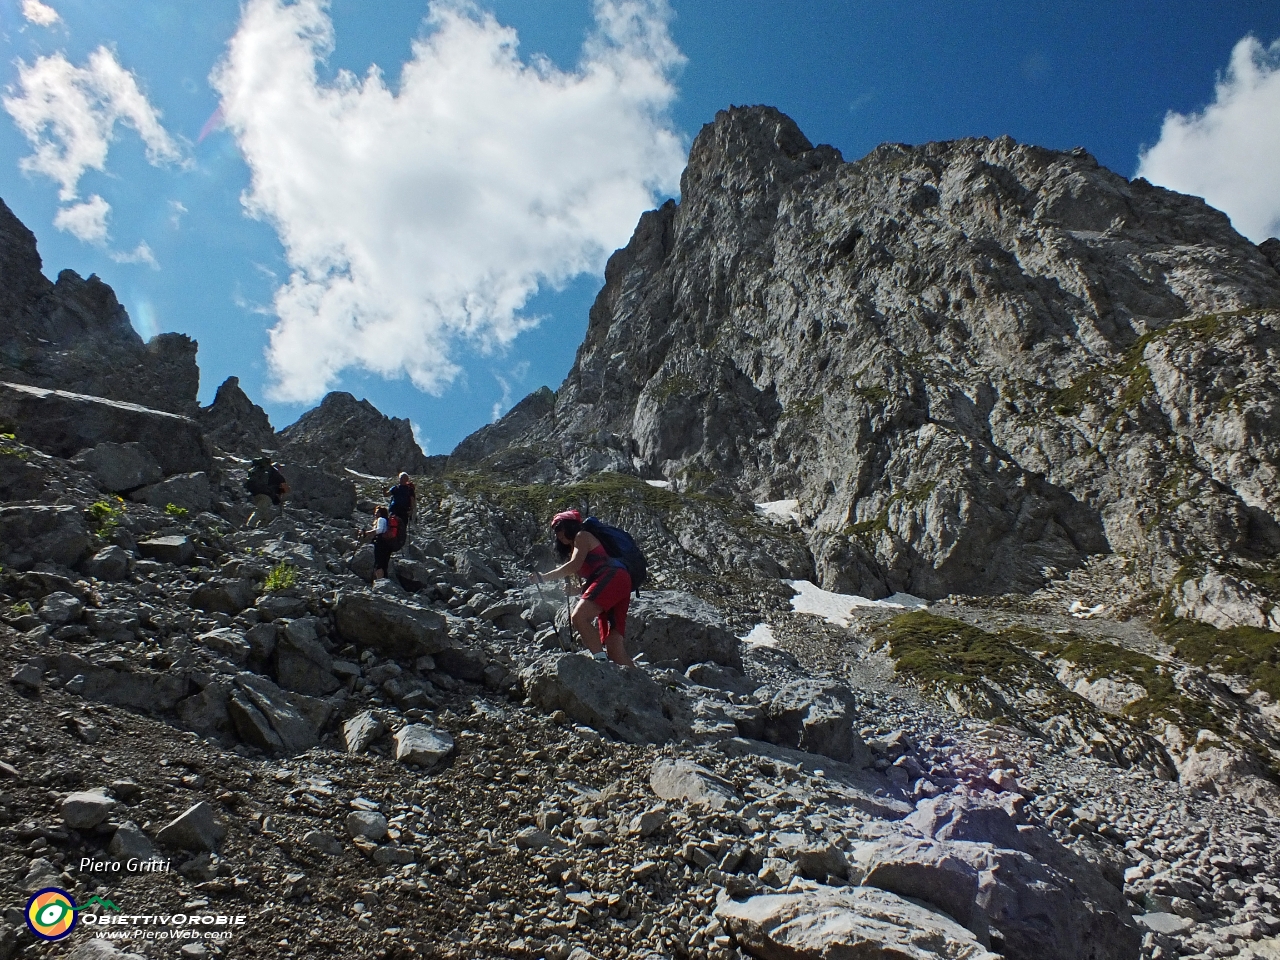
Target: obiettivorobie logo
(52,912)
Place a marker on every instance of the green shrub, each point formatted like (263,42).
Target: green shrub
(105,516)
(282,577)
(22,609)
(175,511)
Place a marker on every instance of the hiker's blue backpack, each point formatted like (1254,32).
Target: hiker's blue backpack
(619,543)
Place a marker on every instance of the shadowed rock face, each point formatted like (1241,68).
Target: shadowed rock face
(346,432)
(75,334)
(970,361)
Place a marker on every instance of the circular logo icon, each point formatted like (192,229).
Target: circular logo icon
(51,914)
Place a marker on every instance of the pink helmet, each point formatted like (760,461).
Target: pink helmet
(565,517)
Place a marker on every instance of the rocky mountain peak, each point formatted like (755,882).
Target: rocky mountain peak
(344,431)
(235,423)
(969,361)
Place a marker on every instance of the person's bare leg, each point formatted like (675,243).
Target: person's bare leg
(584,615)
(617,647)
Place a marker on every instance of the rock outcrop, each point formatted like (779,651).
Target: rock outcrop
(235,423)
(74,334)
(970,362)
(345,432)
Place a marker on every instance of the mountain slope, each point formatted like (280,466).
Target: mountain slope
(971,362)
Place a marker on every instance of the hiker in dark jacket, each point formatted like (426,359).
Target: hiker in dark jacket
(403,499)
(606,588)
(267,485)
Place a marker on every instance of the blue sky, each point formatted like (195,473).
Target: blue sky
(433,239)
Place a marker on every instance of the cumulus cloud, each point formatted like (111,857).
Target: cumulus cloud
(85,221)
(69,115)
(419,216)
(1229,153)
(39,13)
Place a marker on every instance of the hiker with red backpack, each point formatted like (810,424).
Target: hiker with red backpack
(606,586)
(387,536)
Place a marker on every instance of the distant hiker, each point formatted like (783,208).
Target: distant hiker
(403,502)
(383,536)
(267,485)
(606,591)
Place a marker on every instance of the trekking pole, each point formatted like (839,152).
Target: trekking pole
(567,646)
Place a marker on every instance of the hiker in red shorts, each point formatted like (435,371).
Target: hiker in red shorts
(606,591)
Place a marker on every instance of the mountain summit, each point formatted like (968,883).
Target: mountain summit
(975,364)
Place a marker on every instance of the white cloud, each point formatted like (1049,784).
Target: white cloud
(1229,153)
(39,13)
(176,210)
(513,377)
(420,438)
(86,221)
(69,115)
(140,254)
(417,217)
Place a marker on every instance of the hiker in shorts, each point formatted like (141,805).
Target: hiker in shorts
(606,588)
(267,486)
(382,542)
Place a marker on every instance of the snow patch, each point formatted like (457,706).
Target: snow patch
(760,636)
(660,484)
(781,509)
(362,476)
(838,608)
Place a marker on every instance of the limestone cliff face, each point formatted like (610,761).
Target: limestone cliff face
(970,361)
(235,423)
(74,334)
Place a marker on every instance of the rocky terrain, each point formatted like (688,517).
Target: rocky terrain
(1072,760)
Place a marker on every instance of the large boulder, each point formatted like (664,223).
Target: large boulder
(345,432)
(30,533)
(621,702)
(1014,887)
(120,467)
(266,717)
(63,424)
(667,625)
(403,631)
(858,924)
(302,663)
(224,596)
(816,716)
(314,489)
(189,491)
(685,780)
(122,685)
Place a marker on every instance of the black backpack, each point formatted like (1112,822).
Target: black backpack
(259,481)
(620,544)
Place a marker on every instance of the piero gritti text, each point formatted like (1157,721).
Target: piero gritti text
(132,865)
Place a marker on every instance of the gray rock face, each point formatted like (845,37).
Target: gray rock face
(623,703)
(121,467)
(672,626)
(860,922)
(345,432)
(266,717)
(302,663)
(74,332)
(31,533)
(224,596)
(63,424)
(235,423)
(969,361)
(130,842)
(361,730)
